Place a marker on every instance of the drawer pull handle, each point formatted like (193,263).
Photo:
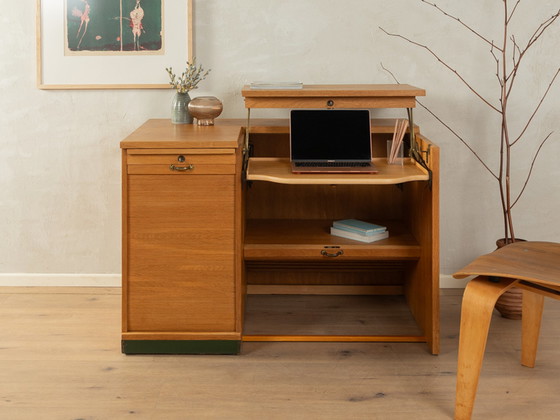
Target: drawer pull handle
(326,253)
(181,168)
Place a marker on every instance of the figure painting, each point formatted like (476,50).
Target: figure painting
(114,27)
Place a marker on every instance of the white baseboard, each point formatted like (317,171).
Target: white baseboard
(446,281)
(114,280)
(50,279)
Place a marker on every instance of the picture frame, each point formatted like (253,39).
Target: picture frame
(60,68)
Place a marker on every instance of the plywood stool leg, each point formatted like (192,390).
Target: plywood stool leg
(478,303)
(531,326)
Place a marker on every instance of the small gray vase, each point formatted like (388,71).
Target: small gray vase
(179,111)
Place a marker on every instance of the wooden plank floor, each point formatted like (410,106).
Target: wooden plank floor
(60,359)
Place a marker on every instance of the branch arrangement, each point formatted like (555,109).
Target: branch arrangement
(189,79)
(509,56)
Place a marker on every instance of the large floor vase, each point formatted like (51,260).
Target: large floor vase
(509,305)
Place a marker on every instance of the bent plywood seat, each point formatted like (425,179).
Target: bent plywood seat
(531,266)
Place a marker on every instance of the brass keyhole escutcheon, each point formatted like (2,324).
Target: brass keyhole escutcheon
(181,158)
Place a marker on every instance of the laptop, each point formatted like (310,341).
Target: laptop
(330,141)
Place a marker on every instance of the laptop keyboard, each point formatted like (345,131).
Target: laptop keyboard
(331,164)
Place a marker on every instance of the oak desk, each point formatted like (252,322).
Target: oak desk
(196,239)
(212,217)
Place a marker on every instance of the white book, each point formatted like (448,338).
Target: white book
(358,237)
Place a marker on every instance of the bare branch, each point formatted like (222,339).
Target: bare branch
(537,108)
(506,77)
(531,170)
(541,29)
(448,67)
(513,11)
(500,81)
(460,139)
(536,35)
(390,72)
(516,50)
(458,20)
(446,126)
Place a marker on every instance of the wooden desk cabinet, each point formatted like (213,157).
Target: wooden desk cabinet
(201,243)
(181,239)
(288,248)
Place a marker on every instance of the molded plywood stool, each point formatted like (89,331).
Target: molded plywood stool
(531,266)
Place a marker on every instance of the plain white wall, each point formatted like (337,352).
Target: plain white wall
(59,150)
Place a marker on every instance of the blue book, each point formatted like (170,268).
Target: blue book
(358,226)
(359,237)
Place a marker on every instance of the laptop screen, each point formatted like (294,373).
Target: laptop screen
(330,134)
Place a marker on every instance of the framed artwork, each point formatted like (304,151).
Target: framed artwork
(111,44)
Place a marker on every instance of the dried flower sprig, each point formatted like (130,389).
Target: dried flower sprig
(189,79)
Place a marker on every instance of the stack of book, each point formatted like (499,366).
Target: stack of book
(359,230)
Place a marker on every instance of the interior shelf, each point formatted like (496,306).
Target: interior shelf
(278,170)
(292,240)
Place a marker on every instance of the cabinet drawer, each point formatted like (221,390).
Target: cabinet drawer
(181,169)
(181,161)
(180,157)
(329,103)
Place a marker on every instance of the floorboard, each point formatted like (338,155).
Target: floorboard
(60,359)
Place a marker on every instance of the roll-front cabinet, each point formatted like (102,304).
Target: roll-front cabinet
(181,228)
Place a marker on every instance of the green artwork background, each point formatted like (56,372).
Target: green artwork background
(104,27)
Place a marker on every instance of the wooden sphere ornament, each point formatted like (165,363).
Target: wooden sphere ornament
(205,109)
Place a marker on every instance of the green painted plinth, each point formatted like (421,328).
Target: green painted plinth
(181,346)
